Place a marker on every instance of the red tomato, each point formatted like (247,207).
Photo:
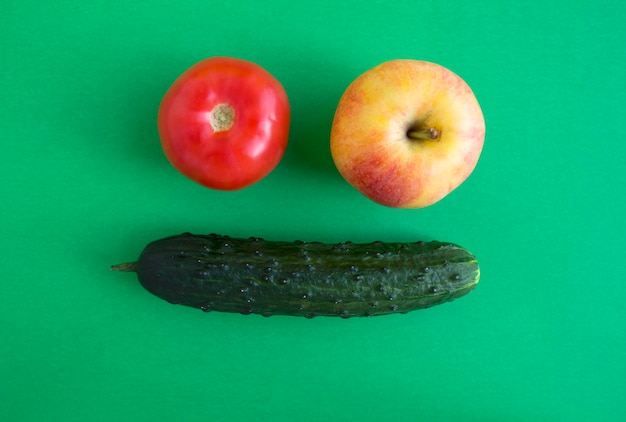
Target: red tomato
(224,123)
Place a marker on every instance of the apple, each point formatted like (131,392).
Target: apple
(406,133)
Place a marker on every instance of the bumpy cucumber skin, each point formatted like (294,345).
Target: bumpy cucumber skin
(220,273)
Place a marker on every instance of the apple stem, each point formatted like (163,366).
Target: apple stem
(424,134)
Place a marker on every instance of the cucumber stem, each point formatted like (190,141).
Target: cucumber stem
(129,267)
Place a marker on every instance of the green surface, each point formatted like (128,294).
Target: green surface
(85,185)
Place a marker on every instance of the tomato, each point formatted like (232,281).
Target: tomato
(224,123)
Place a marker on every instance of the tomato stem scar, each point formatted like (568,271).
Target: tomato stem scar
(222,117)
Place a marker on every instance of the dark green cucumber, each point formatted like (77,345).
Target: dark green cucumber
(253,275)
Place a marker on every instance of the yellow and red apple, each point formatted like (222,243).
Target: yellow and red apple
(406,133)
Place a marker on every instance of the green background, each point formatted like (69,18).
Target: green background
(85,185)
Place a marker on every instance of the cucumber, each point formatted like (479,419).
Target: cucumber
(221,273)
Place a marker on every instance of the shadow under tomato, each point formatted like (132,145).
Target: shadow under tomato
(314,88)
